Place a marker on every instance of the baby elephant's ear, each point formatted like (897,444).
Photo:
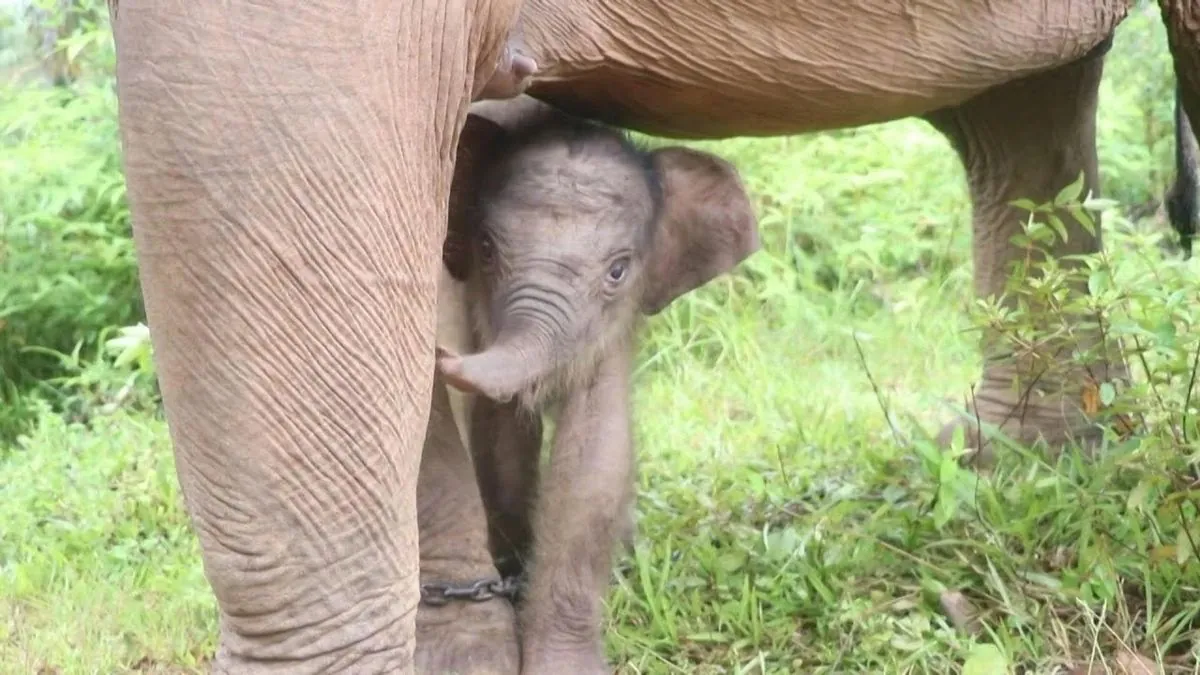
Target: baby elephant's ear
(707,225)
(476,146)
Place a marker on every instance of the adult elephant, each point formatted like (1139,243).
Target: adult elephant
(289,168)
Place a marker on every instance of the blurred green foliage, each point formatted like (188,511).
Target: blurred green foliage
(67,265)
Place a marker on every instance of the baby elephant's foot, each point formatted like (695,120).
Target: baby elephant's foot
(467,638)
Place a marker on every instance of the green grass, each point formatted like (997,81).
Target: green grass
(100,568)
(783,525)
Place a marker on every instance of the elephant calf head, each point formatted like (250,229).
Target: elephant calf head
(565,232)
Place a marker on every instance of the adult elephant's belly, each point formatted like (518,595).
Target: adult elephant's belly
(716,68)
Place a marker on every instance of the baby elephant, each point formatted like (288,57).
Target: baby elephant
(566,233)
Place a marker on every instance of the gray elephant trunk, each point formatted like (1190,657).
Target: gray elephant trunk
(524,353)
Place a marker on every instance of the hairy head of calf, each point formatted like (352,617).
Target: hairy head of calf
(566,232)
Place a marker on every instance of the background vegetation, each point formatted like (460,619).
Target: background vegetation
(793,515)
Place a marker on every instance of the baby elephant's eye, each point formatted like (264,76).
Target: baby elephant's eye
(618,270)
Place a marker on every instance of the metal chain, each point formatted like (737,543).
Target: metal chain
(438,594)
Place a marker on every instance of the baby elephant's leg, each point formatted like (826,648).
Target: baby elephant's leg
(582,510)
(507,444)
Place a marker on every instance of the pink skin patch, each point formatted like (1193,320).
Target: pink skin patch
(512,77)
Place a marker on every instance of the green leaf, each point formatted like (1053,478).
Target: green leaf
(985,659)
(1084,219)
(1165,332)
(1040,231)
(1108,393)
(1057,224)
(1045,580)
(709,638)
(1071,192)
(1099,204)
(1139,497)
(947,500)
(1183,546)
(731,561)
(1024,204)
(1099,281)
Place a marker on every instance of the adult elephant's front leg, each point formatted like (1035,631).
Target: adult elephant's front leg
(288,169)
(1030,139)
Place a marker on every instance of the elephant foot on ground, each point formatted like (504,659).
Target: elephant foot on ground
(468,638)
(1057,420)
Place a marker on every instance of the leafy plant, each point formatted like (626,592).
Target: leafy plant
(67,262)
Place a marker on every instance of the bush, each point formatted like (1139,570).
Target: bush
(67,263)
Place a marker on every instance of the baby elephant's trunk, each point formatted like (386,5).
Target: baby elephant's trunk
(513,363)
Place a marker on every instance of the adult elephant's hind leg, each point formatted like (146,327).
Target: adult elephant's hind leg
(1029,139)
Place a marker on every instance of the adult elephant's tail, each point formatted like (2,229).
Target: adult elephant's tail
(1182,19)
(1181,199)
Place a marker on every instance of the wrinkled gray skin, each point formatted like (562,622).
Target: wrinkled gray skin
(571,235)
(289,170)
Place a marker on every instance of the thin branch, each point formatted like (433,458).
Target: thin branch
(887,416)
(1187,401)
(978,429)
(1141,355)
(1187,532)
